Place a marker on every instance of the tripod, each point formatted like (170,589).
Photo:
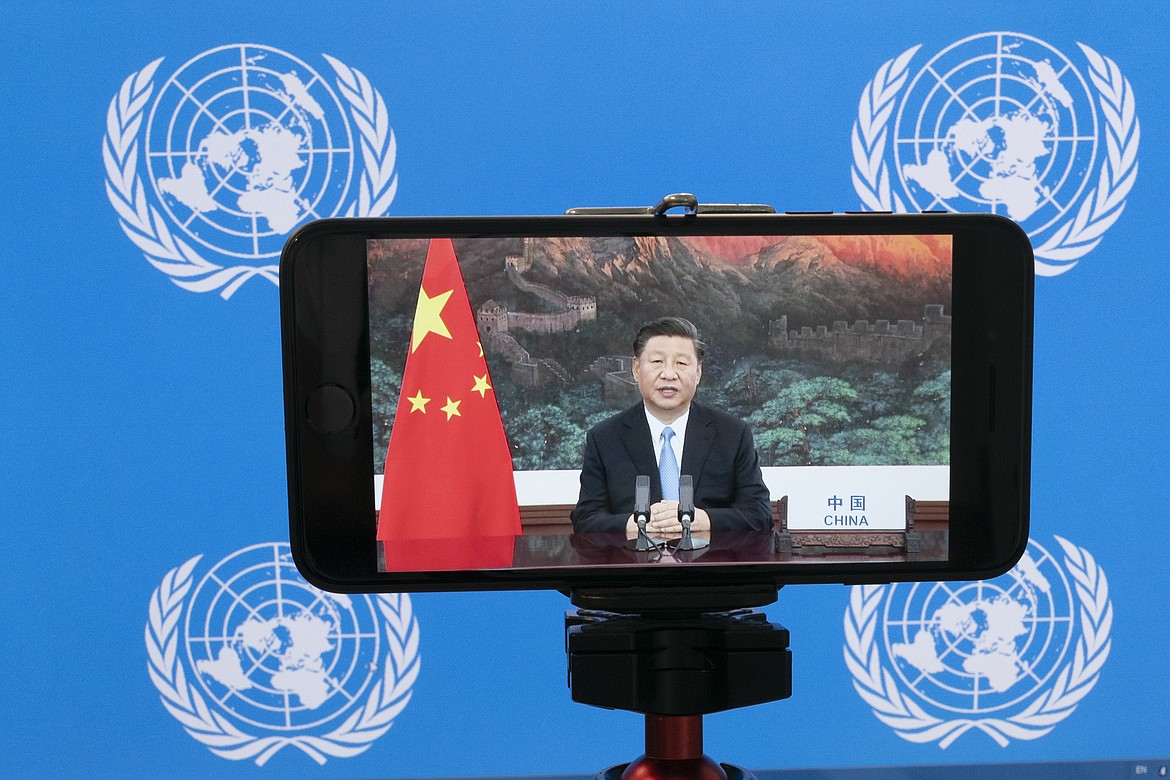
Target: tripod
(675,663)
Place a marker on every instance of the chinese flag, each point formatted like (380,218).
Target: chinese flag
(448,467)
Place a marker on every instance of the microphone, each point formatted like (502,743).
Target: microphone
(686,513)
(686,501)
(642,511)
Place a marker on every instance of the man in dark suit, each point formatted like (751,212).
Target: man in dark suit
(665,430)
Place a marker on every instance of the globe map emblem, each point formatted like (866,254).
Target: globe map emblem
(274,650)
(997,122)
(982,646)
(245,142)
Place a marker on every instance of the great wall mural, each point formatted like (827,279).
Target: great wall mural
(837,349)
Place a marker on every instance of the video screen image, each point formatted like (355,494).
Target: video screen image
(836,350)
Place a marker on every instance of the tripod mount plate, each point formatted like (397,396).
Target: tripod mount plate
(677,665)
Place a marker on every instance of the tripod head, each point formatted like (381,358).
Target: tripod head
(675,655)
(677,663)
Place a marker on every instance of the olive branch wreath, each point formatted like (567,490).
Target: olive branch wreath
(147,228)
(1072,239)
(387,698)
(879,689)
(871,176)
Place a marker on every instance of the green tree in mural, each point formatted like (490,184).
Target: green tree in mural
(882,393)
(748,385)
(792,427)
(385,386)
(931,401)
(544,436)
(893,440)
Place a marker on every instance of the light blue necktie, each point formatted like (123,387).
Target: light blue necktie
(668,467)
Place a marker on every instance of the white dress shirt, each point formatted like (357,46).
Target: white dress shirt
(679,427)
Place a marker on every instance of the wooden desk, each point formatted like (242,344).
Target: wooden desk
(551,549)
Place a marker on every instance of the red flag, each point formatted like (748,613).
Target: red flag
(448,467)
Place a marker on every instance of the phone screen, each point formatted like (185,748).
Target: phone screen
(836,350)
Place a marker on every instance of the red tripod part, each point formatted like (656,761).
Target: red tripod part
(674,751)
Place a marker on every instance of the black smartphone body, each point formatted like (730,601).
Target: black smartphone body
(882,363)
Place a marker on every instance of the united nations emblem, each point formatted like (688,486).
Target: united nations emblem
(251,659)
(210,168)
(1011,657)
(1002,122)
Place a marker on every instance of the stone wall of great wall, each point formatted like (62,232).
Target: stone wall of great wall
(616,373)
(498,325)
(878,342)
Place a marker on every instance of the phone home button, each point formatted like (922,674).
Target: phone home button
(330,409)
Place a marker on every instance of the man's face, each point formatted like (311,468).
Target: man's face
(668,374)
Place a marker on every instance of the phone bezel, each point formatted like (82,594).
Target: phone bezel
(325,338)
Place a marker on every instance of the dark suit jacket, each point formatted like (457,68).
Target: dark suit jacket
(718,453)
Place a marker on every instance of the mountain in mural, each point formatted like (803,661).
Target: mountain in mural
(736,285)
(729,285)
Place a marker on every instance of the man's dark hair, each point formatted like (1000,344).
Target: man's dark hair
(669,326)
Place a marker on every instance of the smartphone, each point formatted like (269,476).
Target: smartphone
(442,375)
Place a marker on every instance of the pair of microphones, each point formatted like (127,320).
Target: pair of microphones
(686,511)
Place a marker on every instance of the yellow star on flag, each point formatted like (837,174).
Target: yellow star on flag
(481,385)
(427,317)
(418,403)
(452,408)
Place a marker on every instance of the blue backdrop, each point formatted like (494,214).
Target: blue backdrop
(143,474)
